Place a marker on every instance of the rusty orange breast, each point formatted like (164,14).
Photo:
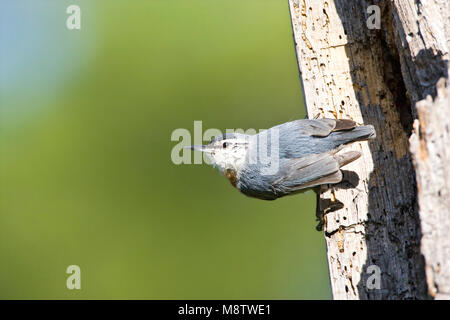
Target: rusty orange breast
(231,176)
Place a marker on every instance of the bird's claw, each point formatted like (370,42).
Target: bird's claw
(323,207)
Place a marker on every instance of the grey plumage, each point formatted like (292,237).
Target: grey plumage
(307,157)
(304,154)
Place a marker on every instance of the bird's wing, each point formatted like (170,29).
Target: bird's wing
(306,172)
(302,138)
(321,127)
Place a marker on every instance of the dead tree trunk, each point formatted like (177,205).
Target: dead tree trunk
(373,61)
(429,145)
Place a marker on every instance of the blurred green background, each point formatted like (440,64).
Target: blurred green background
(86,176)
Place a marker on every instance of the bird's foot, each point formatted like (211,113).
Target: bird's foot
(323,207)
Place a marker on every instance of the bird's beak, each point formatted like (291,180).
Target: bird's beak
(202,148)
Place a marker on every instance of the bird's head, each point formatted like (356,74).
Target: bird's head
(227,152)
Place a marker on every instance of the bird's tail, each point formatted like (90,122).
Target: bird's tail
(347,157)
(360,133)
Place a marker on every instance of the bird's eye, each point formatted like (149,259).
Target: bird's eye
(225,144)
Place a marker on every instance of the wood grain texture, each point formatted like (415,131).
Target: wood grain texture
(429,145)
(373,77)
(423,39)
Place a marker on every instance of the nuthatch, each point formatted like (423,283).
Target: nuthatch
(305,153)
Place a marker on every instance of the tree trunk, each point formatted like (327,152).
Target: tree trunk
(429,145)
(377,76)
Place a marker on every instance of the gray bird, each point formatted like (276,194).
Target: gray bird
(287,158)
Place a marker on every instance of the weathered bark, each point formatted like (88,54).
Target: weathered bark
(373,77)
(425,42)
(429,145)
